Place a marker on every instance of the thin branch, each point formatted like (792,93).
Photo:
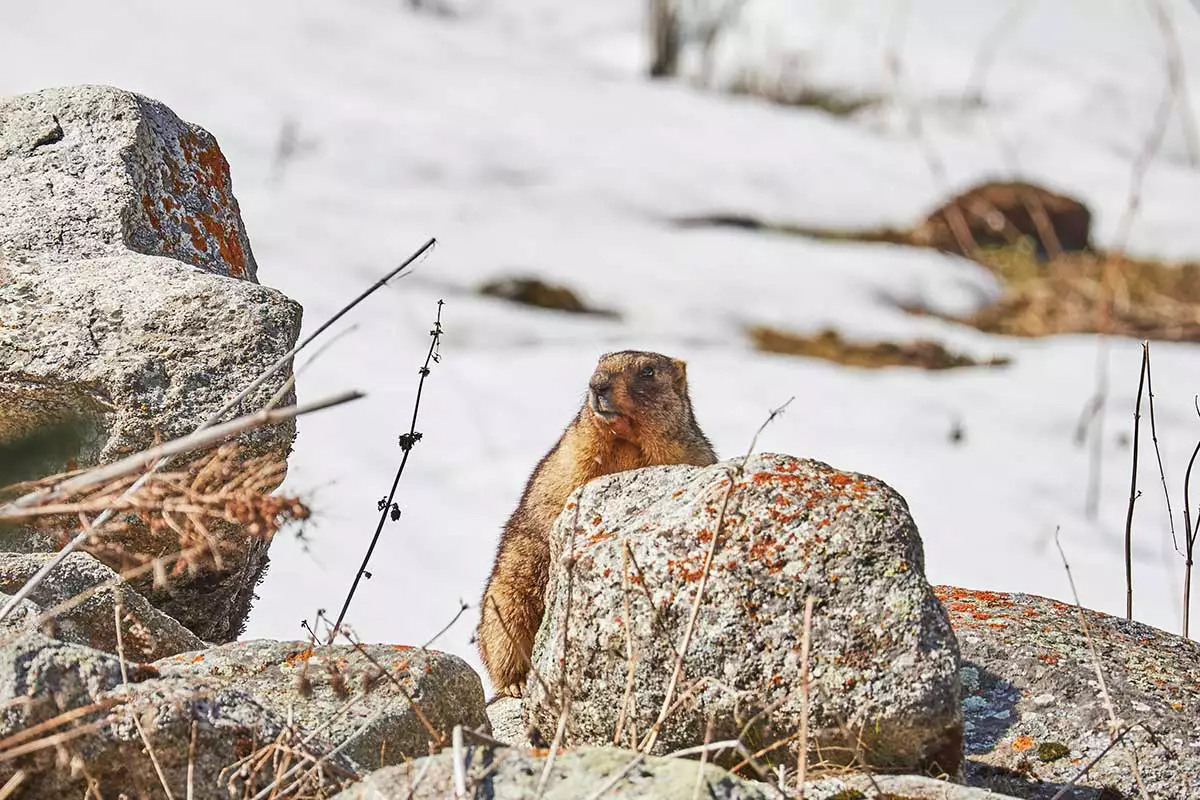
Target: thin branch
(1133,492)
(407,441)
(162,779)
(1106,700)
(194,441)
(1158,453)
(1189,539)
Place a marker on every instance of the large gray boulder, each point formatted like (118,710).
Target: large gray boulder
(312,684)
(1032,707)
(217,734)
(884,663)
(501,773)
(147,633)
(130,311)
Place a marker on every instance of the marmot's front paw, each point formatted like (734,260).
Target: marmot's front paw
(513,690)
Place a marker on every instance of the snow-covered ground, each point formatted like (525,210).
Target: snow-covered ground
(522,135)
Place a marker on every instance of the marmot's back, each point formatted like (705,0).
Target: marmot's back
(637,414)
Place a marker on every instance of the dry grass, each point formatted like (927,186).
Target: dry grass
(532,291)
(829,345)
(190,505)
(1068,294)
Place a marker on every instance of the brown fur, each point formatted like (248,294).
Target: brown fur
(629,420)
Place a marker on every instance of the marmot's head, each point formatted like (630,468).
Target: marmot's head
(634,394)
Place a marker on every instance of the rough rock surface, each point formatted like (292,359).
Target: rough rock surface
(511,774)
(41,677)
(1032,709)
(507,716)
(147,633)
(884,662)
(894,787)
(313,683)
(91,171)
(130,309)
(1000,213)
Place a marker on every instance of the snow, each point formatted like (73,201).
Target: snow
(522,135)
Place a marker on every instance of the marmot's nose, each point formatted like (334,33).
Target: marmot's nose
(600,392)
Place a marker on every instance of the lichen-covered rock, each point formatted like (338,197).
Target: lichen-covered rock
(884,663)
(40,678)
(512,774)
(91,171)
(1032,709)
(147,633)
(130,311)
(312,684)
(507,716)
(893,787)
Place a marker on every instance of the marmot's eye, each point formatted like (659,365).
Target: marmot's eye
(647,372)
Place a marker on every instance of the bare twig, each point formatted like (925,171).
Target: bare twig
(460,771)
(1133,492)
(407,441)
(12,784)
(1096,428)
(708,734)
(1189,538)
(191,767)
(138,461)
(615,779)
(1114,723)
(162,779)
(1177,76)
(1158,453)
(1066,787)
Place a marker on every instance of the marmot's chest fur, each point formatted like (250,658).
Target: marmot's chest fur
(637,414)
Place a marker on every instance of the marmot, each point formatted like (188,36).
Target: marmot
(637,414)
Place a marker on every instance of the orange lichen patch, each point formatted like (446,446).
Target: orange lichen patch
(400,648)
(298,657)
(998,624)
(213,162)
(1022,743)
(148,207)
(600,536)
(231,249)
(198,240)
(1046,658)
(677,493)
(972,596)
(687,569)
(197,658)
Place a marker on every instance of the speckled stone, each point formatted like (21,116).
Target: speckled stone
(312,684)
(1032,710)
(40,678)
(131,310)
(884,661)
(511,774)
(147,633)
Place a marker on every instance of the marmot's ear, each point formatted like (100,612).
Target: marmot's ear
(681,368)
